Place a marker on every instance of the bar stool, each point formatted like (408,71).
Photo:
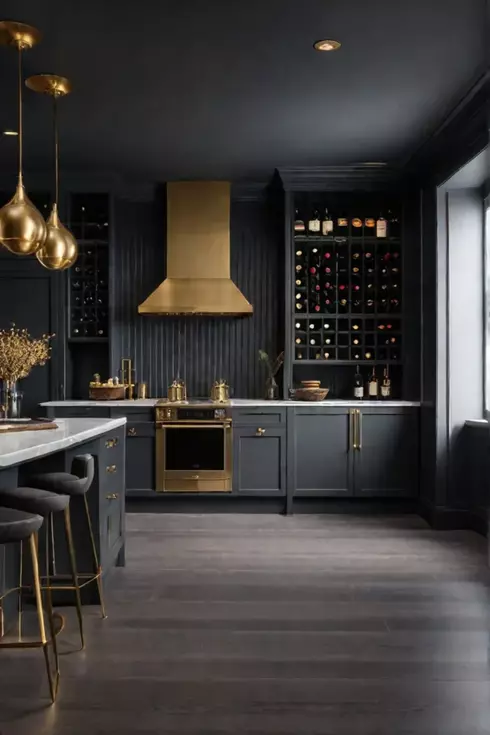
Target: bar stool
(45,504)
(76,483)
(17,527)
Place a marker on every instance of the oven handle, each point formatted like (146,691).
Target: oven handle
(194,426)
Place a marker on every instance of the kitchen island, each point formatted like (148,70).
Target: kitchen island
(286,455)
(28,452)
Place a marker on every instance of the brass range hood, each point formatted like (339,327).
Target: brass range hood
(198,254)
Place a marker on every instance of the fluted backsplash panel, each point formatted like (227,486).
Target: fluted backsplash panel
(199,349)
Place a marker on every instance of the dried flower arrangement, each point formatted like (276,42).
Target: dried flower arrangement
(19,353)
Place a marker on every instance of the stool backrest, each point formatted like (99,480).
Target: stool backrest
(83,466)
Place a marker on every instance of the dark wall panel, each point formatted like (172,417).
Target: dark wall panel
(196,348)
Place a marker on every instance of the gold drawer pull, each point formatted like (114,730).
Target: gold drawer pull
(112,496)
(132,431)
(194,477)
(111,468)
(260,432)
(110,443)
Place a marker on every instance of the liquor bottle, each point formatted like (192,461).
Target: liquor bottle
(358,385)
(356,227)
(342,225)
(327,223)
(314,224)
(373,385)
(393,224)
(386,384)
(381,226)
(299,224)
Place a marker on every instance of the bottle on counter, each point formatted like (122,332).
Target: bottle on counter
(358,384)
(386,384)
(327,223)
(373,385)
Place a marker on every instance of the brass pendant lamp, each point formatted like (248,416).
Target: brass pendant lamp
(22,227)
(60,249)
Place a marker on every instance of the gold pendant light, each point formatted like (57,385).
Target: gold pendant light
(22,227)
(60,249)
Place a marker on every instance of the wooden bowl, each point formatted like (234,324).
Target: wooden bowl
(311,394)
(311,383)
(107,392)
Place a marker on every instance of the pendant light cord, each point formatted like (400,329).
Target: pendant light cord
(20,110)
(56,149)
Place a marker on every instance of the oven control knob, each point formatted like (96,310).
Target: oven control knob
(168,413)
(219,413)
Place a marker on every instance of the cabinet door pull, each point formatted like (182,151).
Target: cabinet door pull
(353,429)
(260,432)
(132,431)
(110,443)
(359,430)
(112,496)
(111,468)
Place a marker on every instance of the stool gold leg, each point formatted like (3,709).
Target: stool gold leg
(73,563)
(49,599)
(21,555)
(98,568)
(53,683)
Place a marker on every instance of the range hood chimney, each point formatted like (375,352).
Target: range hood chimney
(198,254)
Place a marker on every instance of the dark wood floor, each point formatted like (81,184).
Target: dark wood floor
(265,624)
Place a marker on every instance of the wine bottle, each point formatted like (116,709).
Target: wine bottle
(356,326)
(326,355)
(314,224)
(373,385)
(299,224)
(327,223)
(356,255)
(298,325)
(381,226)
(328,341)
(358,384)
(386,384)
(393,224)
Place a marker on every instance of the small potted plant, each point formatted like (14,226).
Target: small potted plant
(19,353)
(272,370)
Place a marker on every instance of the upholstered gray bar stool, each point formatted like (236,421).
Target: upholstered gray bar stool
(17,527)
(44,503)
(77,483)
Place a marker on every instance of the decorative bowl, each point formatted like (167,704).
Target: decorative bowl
(311,394)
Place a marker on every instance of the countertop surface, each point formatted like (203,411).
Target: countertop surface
(234,402)
(23,446)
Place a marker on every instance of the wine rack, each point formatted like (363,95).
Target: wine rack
(347,291)
(89,277)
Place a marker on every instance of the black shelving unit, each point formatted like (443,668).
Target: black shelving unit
(345,290)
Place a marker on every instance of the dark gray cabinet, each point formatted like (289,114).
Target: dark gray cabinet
(387,460)
(356,452)
(259,461)
(140,453)
(323,453)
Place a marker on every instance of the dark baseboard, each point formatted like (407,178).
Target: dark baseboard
(160,503)
(356,506)
(452,519)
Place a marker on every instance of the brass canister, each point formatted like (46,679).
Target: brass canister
(142,390)
(220,392)
(177,392)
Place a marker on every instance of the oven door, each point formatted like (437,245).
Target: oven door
(194,457)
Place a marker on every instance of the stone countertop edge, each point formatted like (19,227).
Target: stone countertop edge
(478,423)
(234,403)
(23,446)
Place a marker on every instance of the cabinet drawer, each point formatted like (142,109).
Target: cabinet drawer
(77,412)
(259,418)
(139,428)
(134,415)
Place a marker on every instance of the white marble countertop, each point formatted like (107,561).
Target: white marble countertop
(23,446)
(483,423)
(234,402)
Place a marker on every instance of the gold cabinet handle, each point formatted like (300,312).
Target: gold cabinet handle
(112,496)
(359,430)
(353,428)
(111,468)
(260,432)
(132,431)
(110,443)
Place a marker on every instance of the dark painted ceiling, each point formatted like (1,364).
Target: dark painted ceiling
(223,88)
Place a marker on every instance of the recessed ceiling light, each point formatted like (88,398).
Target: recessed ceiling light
(10,132)
(327,45)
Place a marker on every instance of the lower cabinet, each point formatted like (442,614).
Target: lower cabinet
(140,456)
(363,452)
(259,461)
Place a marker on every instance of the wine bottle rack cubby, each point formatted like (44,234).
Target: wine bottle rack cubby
(347,287)
(89,277)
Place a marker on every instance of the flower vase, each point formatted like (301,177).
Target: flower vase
(10,399)
(271,389)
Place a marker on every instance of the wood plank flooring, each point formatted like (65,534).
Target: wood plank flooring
(306,625)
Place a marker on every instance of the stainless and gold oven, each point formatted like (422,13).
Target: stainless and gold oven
(194,449)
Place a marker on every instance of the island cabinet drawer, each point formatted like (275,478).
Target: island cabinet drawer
(111,454)
(259,417)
